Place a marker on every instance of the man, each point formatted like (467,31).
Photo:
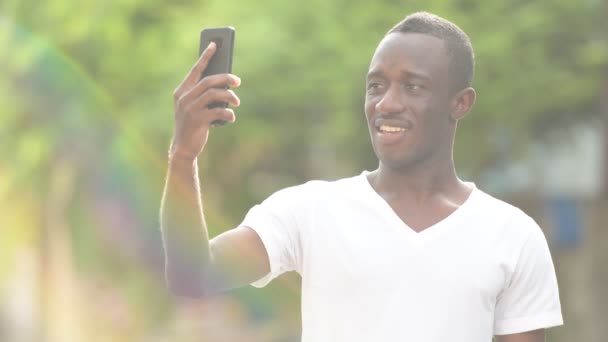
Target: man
(407,252)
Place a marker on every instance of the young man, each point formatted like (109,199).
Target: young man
(407,252)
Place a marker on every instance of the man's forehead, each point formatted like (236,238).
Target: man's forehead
(411,39)
(417,49)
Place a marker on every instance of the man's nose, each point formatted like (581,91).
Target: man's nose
(392,101)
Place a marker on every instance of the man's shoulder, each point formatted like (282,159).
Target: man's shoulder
(319,189)
(504,213)
(319,185)
(493,203)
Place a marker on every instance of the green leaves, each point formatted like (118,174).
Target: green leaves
(93,81)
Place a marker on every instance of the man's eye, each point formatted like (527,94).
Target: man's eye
(373,85)
(413,86)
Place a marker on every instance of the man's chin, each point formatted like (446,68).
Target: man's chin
(396,163)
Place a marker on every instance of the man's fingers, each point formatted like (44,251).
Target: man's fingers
(220,115)
(197,69)
(216,95)
(208,83)
(213,117)
(218,81)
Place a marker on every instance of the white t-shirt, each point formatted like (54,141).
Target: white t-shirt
(366,276)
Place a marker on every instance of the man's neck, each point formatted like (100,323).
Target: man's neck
(419,183)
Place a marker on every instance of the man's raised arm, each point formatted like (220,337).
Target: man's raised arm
(195,266)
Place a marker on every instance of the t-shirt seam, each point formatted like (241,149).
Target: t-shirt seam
(545,319)
(543,313)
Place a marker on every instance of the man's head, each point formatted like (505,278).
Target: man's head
(418,87)
(457,44)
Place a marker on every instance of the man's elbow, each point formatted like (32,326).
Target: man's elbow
(191,285)
(186,289)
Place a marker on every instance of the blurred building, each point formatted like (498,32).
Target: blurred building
(559,182)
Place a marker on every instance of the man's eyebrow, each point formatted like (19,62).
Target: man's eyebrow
(409,74)
(375,73)
(404,74)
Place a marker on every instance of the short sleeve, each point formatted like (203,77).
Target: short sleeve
(530,298)
(276,221)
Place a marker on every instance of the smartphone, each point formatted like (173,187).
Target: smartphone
(221,62)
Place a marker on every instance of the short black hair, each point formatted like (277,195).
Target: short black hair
(457,43)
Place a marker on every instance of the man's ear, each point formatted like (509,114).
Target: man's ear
(462,102)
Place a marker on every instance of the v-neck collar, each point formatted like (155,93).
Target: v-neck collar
(428,233)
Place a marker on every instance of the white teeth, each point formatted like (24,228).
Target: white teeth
(391,129)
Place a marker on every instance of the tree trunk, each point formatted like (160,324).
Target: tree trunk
(59,288)
(604,115)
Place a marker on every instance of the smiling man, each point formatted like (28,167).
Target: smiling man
(407,252)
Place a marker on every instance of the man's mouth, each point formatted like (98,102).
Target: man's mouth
(391,129)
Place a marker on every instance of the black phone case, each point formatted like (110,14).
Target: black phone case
(221,62)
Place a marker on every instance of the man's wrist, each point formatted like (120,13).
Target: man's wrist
(181,158)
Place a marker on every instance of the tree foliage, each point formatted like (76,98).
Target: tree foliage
(92,82)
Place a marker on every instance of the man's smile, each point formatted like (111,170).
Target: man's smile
(391,130)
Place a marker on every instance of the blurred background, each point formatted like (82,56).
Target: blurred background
(86,119)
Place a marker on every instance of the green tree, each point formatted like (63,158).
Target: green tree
(92,82)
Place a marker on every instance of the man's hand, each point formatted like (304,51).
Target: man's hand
(193,117)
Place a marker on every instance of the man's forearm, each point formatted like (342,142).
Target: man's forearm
(184,231)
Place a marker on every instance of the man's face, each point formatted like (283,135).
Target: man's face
(407,100)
